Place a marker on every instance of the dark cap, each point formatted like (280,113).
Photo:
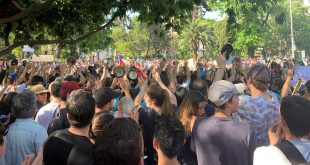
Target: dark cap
(105,95)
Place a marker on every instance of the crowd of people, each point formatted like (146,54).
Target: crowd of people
(154,111)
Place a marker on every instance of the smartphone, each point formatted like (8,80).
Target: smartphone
(140,74)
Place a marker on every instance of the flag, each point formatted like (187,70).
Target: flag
(121,61)
(138,62)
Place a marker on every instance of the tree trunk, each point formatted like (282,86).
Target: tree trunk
(251,52)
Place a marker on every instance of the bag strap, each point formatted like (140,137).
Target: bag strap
(291,152)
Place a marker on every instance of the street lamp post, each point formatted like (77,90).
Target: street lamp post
(292,30)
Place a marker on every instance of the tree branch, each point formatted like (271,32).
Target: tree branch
(57,41)
(27,12)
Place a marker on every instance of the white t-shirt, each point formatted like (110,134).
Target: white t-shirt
(270,155)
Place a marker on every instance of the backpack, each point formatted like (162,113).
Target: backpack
(291,152)
(59,121)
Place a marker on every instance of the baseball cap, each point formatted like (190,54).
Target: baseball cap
(221,91)
(68,87)
(38,89)
(105,95)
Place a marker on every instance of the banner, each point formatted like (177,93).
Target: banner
(302,72)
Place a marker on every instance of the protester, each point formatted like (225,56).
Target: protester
(219,140)
(25,136)
(119,143)
(191,107)
(41,94)
(261,109)
(294,148)
(72,145)
(104,98)
(46,113)
(60,120)
(169,137)
(100,121)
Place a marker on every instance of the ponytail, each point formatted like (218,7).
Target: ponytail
(161,97)
(166,108)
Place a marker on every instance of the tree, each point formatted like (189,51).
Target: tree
(71,21)
(197,33)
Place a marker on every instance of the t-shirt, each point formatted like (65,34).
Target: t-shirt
(24,137)
(64,147)
(272,155)
(45,114)
(222,141)
(147,120)
(260,112)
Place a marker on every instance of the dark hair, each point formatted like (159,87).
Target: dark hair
(119,143)
(9,97)
(164,78)
(71,60)
(200,85)
(181,78)
(170,134)
(189,108)
(55,89)
(81,108)
(36,79)
(161,97)
(180,94)
(296,112)
(5,110)
(307,85)
(100,121)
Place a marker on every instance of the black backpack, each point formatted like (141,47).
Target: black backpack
(59,121)
(291,152)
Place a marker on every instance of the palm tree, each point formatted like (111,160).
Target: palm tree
(198,34)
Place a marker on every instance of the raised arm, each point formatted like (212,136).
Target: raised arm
(287,83)
(162,85)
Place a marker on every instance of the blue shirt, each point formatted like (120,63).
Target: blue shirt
(24,137)
(260,113)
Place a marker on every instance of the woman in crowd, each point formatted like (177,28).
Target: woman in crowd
(192,106)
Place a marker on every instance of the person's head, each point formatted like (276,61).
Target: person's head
(100,121)
(36,79)
(224,96)
(192,105)
(9,97)
(200,85)
(40,92)
(5,111)
(169,137)
(277,84)
(295,113)
(67,88)
(180,94)
(54,89)
(81,108)
(104,98)
(126,105)
(158,98)
(119,143)
(258,77)
(181,78)
(24,105)
(164,78)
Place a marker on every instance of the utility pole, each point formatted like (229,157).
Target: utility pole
(292,30)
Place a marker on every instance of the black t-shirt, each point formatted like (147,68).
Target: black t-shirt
(147,120)
(63,147)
